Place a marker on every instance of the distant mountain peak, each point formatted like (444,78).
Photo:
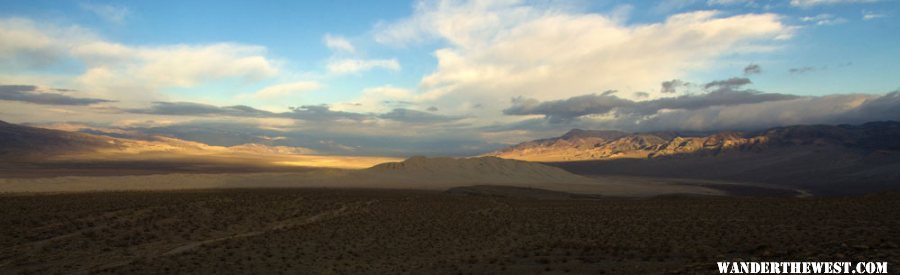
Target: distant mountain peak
(580,133)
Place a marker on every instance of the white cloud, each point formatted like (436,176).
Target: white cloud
(498,50)
(179,65)
(124,72)
(344,66)
(286,89)
(824,19)
(465,23)
(869,15)
(811,3)
(27,44)
(338,43)
(111,13)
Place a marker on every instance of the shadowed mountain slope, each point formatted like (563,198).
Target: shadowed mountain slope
(39,147)
(23,142)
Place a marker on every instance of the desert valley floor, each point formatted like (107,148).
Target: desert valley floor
(460,231)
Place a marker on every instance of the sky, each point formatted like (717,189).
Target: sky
(399,78)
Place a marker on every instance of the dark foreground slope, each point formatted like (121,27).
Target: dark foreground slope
(318,231)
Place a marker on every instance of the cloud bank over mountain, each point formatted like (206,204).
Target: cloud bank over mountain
(497,50)
(449,77)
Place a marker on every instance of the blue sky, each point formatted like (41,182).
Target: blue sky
(453,69)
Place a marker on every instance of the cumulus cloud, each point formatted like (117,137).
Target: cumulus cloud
(176,66)
(26,45)
(338,43)
(812,3)
(495,50)
(44,96)
(752,69)
(344,66)
(120,71)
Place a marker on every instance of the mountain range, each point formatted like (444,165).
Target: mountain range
(826,159)
(822,159)
(25,144)
(579,145)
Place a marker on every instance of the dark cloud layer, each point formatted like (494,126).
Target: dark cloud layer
(413,116)
(32,94)
(832,109)
(313,113)
(671,86)
(716,98)
(198,109)
(801,70)
(322,113)
(752,69)
(564,110)
(729,84)
(593,104)
(729,110)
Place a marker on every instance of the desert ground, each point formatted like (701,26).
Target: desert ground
(417,173)
(482,215)
(337,231)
